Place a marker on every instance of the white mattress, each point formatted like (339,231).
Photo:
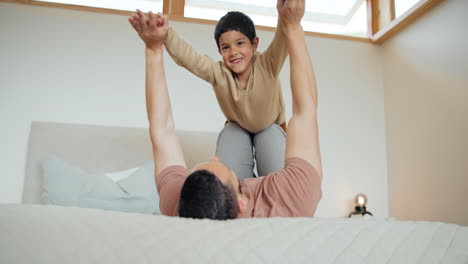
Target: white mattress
(51,234)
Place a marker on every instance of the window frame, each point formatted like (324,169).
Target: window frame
(381,22)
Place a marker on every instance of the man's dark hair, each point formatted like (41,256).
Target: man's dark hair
(237,21)
(203,195)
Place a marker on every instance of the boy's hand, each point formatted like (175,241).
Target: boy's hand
(152,28)
(291,13)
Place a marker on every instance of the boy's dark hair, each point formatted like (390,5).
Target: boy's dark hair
(237,21)
(203,195)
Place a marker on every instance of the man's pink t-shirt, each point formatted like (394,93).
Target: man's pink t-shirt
(295,190)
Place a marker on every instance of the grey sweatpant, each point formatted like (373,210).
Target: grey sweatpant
(239,149)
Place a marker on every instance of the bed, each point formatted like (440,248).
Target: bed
(33,232)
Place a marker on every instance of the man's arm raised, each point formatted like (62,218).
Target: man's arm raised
(167,151)
(302,137)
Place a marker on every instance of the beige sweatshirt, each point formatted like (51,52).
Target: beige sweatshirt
(258,105)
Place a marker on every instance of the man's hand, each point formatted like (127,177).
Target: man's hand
(152,28)
(290,13)
(302,138)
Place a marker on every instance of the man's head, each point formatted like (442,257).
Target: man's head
(211,191)
(237,41)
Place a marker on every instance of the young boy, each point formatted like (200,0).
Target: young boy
(210,189)
(247,88)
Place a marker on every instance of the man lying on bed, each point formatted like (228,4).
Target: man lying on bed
(211,189)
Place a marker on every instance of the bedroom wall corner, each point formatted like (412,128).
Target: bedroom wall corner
(425,71)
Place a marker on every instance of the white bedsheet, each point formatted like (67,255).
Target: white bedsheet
(51,234)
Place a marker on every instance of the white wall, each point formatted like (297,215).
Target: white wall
(425,71)
(80,67)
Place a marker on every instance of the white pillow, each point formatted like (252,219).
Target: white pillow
(120,175)
(69,185)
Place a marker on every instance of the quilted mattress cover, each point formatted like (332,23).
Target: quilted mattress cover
(52,234)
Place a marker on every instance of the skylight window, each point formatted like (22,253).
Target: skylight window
(342,19)
(401,6)
(154,5)
(346,17)
(339,17)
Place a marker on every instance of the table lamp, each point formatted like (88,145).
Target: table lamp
(360,208)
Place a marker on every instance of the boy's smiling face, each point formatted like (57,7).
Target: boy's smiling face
(237,52)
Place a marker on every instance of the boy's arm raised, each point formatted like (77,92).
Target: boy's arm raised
(275,55)
(186,56)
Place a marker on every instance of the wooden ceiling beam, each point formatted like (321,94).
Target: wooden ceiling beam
(380,14)
(174,7)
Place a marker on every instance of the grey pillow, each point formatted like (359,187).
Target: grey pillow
(69,185)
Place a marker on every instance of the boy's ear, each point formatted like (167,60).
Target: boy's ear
(255,43)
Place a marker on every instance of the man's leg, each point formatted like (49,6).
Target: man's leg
(234,148)
(270,146)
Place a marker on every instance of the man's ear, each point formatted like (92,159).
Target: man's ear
(255,42)
(241,204)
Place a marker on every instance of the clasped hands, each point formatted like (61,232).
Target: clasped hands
(152,28)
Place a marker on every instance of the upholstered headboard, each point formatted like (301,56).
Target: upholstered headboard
(100,149)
